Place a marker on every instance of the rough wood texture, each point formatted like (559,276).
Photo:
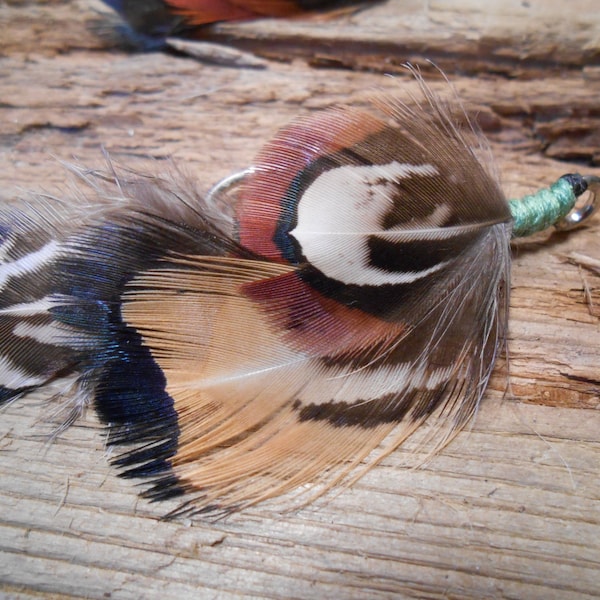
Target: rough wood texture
(511,508)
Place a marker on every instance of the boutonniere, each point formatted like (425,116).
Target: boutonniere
(293,326)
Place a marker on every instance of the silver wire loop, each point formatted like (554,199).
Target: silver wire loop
(581,213)
(226,186)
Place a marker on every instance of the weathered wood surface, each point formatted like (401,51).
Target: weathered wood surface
(511,509)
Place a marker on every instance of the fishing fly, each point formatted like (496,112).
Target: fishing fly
(293,326)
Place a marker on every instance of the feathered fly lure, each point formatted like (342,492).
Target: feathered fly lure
(356,287)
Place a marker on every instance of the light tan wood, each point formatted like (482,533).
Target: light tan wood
(511,509)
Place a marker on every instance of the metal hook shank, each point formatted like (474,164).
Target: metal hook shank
(226,186)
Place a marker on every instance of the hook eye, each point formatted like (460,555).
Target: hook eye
(580,214)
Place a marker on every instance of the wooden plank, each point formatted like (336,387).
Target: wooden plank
(510,508)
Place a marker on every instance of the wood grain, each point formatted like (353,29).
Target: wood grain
(511,509)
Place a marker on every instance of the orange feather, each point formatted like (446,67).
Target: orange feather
(234,380)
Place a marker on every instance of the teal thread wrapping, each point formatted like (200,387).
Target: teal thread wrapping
(543,209)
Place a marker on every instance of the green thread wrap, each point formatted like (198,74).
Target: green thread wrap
(543,209)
